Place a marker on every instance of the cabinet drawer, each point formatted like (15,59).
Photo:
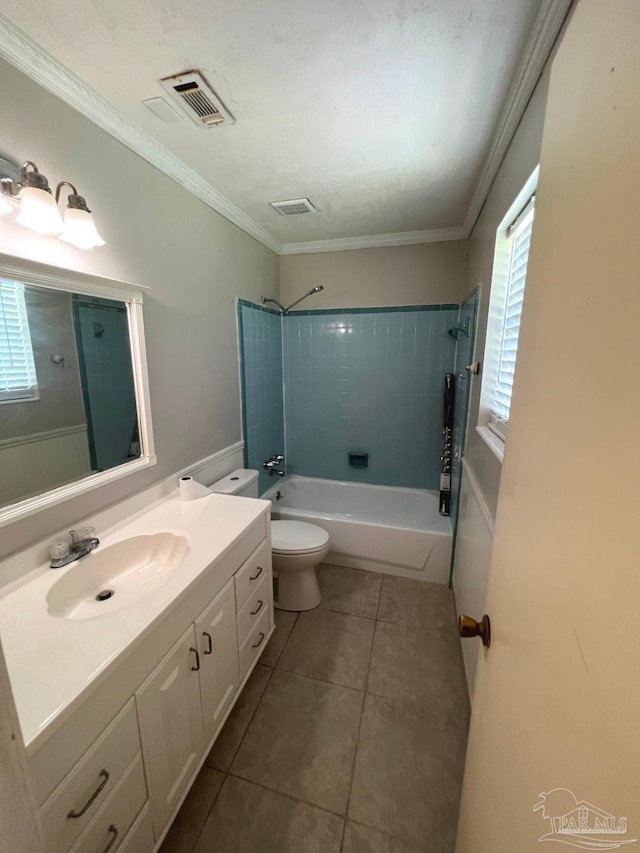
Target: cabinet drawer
(249,575)
(91,781)
(254,607)
(255,643)
(111,824)
(139,839)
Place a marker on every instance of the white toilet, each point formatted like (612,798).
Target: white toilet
(296,547)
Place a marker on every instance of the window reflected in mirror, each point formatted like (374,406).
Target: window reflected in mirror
(67,392)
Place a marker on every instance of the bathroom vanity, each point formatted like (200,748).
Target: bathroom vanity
(120,700)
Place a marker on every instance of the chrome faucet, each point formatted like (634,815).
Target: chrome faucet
(270,466)
(83,542)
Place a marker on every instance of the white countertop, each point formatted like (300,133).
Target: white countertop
(52,661)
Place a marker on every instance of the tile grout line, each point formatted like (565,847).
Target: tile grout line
(364,698)
(226,773)
(210,809)
(255,711)
(288,796)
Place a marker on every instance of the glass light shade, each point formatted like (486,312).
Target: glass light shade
(39,212)
(80,229)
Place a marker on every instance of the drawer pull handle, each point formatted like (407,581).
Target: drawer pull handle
(196,653)
(259,643)
(105,778)
(114,834)
(258,608)
(257,574)
(210,641)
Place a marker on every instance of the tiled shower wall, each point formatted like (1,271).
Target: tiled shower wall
(260,336)
(367,380)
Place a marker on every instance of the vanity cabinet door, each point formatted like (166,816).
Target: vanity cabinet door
(170,718)
(219,673)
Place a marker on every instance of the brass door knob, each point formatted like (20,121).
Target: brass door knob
(468,627)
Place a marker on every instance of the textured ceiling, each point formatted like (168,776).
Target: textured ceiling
(380,112)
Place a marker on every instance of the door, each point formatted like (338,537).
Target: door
(554,750)
(218,642)
(171,732)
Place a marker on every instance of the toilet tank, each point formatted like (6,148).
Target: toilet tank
(242,482)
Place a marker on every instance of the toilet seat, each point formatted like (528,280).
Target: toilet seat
(297,537)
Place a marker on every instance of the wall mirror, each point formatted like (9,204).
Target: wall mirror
(74,401)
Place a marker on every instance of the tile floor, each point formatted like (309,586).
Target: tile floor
(350,735)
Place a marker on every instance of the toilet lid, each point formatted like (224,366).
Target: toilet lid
(297,536)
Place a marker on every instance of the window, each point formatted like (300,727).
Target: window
(508,277)
(519,237)
(18,379)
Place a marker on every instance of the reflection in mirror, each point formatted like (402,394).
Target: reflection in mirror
(67,393)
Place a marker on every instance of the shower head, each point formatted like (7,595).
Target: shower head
(265,299)
(313,290)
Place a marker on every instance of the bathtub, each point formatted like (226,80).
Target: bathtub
(378,528)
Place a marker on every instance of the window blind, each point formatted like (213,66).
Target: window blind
(520,234)
(17,368)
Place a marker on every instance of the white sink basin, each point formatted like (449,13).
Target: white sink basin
(129,570)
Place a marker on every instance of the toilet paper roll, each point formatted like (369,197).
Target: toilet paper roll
(191,490)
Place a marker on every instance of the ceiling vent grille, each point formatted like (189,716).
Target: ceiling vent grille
(197,99)
(293,207)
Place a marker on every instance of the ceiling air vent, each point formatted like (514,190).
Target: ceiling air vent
(293,207)
(197,99)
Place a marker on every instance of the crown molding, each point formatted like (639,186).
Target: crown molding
(30,58)
(36,63)
(546,29)
(372,241)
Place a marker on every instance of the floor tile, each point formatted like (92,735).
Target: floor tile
(285,620)
(413,663)
(419,604)
(363,839)
(302,740)
(224,749)
(330,646)
(408,773)
(251,819)
(349,590)
(186,828)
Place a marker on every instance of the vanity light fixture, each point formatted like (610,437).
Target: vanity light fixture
(28,189)
(38,209)
(79,228)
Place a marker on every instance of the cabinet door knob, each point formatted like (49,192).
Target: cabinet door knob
(197,654)
(210,642)
(257,574)
(105,778)
(468,627)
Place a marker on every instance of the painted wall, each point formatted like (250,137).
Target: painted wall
(480,483)
(158,235)
(368,381)
(60,402)
(260,338)
(521,159)
(394,275)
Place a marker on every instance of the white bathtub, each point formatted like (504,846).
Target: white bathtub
(382,529)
